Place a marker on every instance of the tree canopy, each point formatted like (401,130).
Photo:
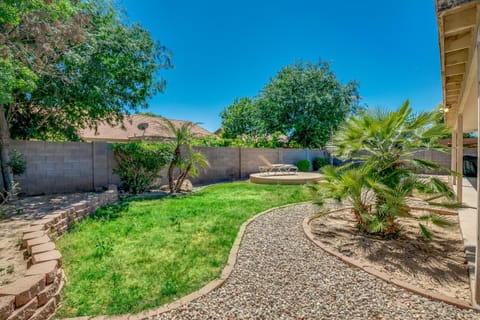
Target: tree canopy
(92,65)
(68,64)
(304,101)
(238,118)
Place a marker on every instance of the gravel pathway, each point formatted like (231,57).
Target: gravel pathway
(282,275)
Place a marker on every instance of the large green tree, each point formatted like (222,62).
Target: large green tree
(239,118)
(69,64)
(306,101)
(33,35)
(112,72)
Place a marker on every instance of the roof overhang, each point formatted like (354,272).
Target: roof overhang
(457,29)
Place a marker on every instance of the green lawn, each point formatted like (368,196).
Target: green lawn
(145,253)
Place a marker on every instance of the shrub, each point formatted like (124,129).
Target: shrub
(275,140)
(17,162)
(320,162)
(303,165)
(378,184)
(139,163)
(211,141)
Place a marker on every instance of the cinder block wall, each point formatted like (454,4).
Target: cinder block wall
(56,167)
(52,166)
(224,165)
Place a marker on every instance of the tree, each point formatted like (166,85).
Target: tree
(305,102)
(184,159)
(33,34)
(378,184)
(112,72)
(71,64)
(239,118)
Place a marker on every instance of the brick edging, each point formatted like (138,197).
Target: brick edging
(209,287)
(36,295)
(382,275)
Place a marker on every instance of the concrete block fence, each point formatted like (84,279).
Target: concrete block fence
(58,167)
(36,295)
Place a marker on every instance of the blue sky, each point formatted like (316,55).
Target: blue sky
(227,49)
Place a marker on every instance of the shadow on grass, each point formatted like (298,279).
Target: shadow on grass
(111,212)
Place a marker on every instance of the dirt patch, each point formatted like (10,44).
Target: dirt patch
(438,266)
(18,215)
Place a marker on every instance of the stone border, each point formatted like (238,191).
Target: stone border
(382,275)
(36,295)
(209,287)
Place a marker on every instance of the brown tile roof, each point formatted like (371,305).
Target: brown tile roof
(156,129)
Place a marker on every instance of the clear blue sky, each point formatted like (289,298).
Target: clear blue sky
(227,49)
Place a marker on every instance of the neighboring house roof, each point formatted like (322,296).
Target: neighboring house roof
(137,127)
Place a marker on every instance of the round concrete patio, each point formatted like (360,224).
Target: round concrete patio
(275,178)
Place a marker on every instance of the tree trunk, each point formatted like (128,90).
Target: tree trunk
(170,176)
(171,168)
(181,178)
(7,175)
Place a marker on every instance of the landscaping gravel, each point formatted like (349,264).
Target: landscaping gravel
(280,274)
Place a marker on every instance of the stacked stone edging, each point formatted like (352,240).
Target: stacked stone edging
(36,296)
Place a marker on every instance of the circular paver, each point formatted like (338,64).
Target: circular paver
(275,178)
(281,275)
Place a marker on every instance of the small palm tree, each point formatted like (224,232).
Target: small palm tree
(184,157)
(190,165)
(384,172)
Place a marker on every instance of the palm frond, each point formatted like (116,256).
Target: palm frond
(426,234)
(440,221)
(449,205)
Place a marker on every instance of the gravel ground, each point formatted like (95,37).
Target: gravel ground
(282,275)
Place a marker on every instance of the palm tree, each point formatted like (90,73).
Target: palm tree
(184,158)
(190,164)
(383,172)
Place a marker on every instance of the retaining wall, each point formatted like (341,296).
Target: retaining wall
(57,167)
(36,296)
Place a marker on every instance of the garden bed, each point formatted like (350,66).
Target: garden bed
(438,266)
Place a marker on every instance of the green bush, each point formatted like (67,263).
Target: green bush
(211,141)
(17,162)
(320,162)
(139,163)
(275,140)
(303,165)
